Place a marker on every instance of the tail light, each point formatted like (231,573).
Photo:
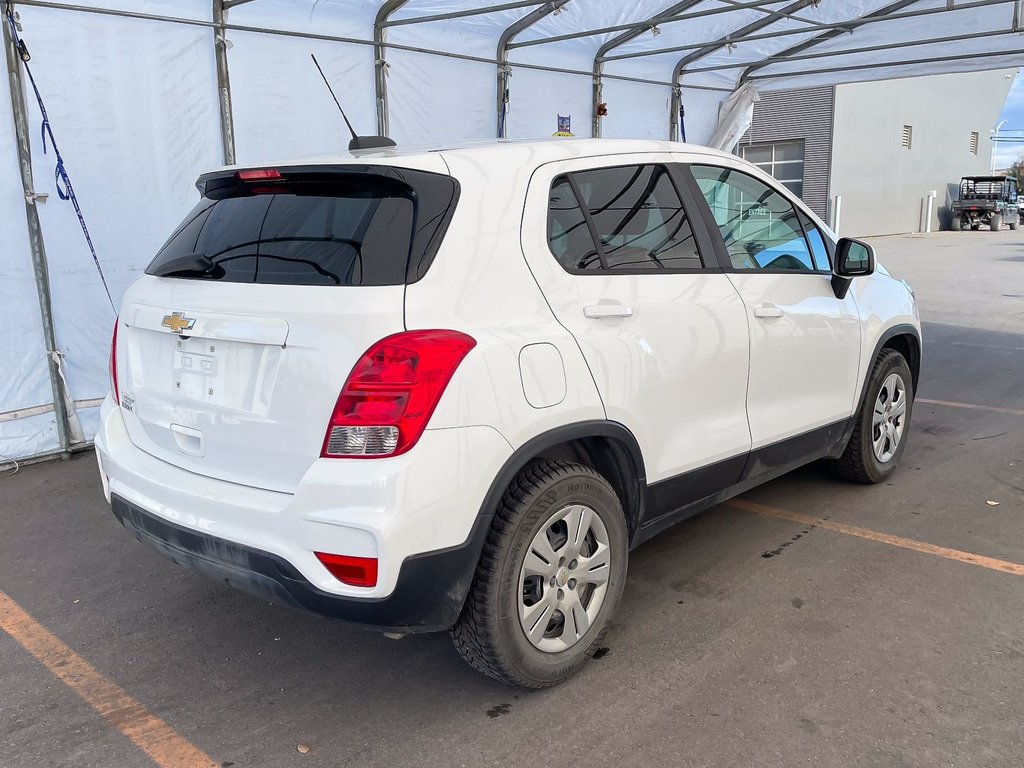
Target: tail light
(391,393)
(258,174)
(357,571)
(113,363)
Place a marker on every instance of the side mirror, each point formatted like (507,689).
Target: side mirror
(853,259)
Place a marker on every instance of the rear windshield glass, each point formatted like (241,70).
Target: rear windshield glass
(351,230)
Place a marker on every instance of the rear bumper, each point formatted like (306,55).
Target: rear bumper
(428,596)
(418,514)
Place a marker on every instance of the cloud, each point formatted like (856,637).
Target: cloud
(1013,113)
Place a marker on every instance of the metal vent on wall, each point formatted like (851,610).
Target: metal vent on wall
(974,142)
(908,136)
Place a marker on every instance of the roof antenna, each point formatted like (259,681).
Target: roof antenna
(358,142)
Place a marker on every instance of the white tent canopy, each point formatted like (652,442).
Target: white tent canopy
(143,95)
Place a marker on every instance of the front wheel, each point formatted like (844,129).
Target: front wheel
(549,579)
(1013,225)
(880,433)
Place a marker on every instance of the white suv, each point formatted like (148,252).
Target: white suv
(451,389)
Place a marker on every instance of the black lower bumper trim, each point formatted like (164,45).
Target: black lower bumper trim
(428,597)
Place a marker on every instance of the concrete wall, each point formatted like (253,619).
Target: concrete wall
(882,184)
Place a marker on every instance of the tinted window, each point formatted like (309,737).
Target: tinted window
(637,215)
(639,218)
(568,234)
(759,226)
(317,229)
(819,243)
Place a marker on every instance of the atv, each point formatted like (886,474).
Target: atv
(988,200)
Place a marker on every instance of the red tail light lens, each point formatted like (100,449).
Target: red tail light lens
(391,393)
(113,363)
(357,571)
(258,174)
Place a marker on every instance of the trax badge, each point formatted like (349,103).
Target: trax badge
(177,322)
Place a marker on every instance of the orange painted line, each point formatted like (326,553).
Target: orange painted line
(1004,566)
(147,731)
(971,406)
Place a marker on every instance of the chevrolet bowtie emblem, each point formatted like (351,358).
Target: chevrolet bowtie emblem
(177,322)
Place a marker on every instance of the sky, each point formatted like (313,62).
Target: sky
(1013,113)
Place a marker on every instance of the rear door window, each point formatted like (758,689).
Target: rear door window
(344,230)
(633,211)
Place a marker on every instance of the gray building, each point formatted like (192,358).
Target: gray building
(870,154)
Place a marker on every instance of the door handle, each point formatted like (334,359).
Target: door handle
(607,310)
(767,310)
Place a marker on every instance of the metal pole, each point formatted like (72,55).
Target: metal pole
(995,145)
(35,238)
(838,27)
(220,50)
(726,40)
(647,23)
(504,69)
(675,102)
(380,82)
(462,14)
(785,58)
(882,64)
(619,40)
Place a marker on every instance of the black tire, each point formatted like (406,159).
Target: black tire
(489,634)
(1013,226)
(955,224)
(995,222)
(858,463)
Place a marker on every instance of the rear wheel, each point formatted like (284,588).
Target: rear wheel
(880,434)
(955,224)
(995,222)
(549,579)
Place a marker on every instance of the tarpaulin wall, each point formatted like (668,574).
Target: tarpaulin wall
(134,105)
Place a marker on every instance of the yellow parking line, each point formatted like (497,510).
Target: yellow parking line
(971,406)
(147,731)
(1005,566)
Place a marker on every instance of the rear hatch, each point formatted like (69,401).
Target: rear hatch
(233,347)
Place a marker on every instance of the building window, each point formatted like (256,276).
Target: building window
(782,160)
(974,142)
(908,136)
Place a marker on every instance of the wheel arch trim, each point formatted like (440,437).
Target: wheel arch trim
(535,447)
(890,333)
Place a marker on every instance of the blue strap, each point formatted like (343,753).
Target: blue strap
(60,175)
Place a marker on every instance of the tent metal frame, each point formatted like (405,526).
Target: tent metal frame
(504,70)
(676,101)
(621,39)
(838,27)
(654,21)
(37,248)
